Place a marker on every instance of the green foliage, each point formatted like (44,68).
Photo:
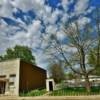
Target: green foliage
(1,58)
(68,91)
(22,52)
(75,91)
(36,92)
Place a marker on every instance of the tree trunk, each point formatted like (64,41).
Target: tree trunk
(83,67)
(87,84)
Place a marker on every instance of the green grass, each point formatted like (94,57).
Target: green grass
(36,92)
(75,91)
(69,91)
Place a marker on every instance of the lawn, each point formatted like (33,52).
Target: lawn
(68,91)
(75,91)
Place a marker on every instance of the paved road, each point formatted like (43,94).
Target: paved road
(53,98)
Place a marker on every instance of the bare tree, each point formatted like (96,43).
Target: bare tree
(79,39)
(57,72)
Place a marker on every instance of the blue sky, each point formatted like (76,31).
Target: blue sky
(30,22)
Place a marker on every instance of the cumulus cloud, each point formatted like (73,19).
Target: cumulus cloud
(30,37)
(81,6)
(84,20)
(65,17)
(9,6)
(26,5)
(6,8)
(46,17)
(65,4)
(60,35)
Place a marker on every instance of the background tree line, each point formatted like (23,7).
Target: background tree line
(22,52)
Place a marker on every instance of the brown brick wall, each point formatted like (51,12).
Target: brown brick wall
(31,77)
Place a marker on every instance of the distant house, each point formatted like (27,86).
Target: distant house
(18,76)
(80,82)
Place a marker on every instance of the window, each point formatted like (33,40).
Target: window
(12,78)
(3,76)
(12,75)
(11,83)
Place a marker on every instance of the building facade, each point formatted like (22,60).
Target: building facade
(18,76)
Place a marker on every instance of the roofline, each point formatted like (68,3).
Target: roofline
(9,60)
(20,61)
(32,64)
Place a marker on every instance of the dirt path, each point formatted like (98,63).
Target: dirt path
(94,97)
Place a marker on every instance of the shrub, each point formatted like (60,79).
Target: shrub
(37,92)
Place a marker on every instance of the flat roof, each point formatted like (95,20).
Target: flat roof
(21,60)
(9,60)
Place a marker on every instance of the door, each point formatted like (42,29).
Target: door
(2,87)
(50,86)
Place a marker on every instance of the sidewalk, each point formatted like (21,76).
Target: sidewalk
(94,97)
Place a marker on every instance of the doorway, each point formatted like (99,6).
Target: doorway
(2,87)
(50,86)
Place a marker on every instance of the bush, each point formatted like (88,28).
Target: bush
(37,92)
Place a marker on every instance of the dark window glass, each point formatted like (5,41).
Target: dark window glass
(12,75)
(11,83)
(2,76)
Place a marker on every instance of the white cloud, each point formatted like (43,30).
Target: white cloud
(84,20)
(65,17)
(48,9)
(26,5)
(35,27)
(81,6)
(31,37)
(54,16)
(6,9)
(9,6)
(60,35)
(1,2)
(42,59)
(51,29)
(50,17)
(65,4)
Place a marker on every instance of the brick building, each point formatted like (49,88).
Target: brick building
(18,76)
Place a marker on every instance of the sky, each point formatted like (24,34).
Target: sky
(26,22)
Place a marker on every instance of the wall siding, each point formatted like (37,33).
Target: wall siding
(31,77)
